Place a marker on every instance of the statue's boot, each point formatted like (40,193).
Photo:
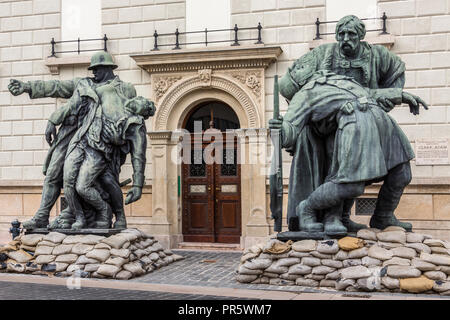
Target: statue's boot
(307,218)
(50,193)
(121,222)
(333,225)
(382,220)
(80,221)
(104,217)
(389,197)
(63,221)
(36,222)
(349,224)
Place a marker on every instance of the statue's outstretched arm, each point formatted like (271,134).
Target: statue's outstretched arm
(44,89)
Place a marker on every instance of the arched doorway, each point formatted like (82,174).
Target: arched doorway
(211,183)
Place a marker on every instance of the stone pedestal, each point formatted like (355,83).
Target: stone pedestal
(97,232)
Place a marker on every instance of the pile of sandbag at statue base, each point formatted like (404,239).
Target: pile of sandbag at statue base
(391,260)
(124,255)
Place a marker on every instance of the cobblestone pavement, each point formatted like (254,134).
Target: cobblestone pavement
(34,291)
(217,269)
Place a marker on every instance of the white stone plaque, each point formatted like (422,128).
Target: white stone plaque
(432,152)
(197,188)
(228,188)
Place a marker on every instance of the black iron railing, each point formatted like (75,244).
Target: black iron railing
(319,23)
(234,42)
(78,41)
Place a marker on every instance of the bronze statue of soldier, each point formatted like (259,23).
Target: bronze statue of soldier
(371,67)
(71,117)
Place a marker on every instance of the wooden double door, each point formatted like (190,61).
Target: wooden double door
(212,192)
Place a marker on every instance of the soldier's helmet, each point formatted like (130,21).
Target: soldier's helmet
(102,58)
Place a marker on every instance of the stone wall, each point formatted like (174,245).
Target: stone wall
(389,260)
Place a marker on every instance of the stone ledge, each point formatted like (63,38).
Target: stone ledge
(54,63)
(214,58)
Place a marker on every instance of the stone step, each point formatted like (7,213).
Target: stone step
(210,246)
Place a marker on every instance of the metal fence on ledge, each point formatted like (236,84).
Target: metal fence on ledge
(382,29)
(234,42)
(79,49)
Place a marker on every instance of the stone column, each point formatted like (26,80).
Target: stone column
(253,145)
(164,220)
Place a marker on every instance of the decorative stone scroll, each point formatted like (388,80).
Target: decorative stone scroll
(162,84)
(252,79)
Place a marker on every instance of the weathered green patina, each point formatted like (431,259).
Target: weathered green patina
(104,120)
(335,154)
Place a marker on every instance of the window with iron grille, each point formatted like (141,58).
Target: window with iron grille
(365,206)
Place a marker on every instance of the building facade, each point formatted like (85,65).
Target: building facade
(208,78)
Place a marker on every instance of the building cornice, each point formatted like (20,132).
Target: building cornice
(256,56)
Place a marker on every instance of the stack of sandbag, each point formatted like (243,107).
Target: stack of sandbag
(124,255)
(389,260)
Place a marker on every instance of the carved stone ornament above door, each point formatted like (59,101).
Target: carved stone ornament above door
(237,71)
